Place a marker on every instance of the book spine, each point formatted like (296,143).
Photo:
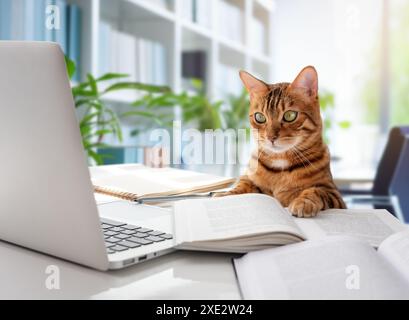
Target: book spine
(104,48)
(74,37)
(29,20)
(39,21)
(5,19)
(17,20)
(194,10)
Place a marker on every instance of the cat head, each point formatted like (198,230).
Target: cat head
(286,116)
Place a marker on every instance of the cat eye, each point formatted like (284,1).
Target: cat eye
(290,116)
(260,118)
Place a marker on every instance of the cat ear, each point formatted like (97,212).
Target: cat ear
(307,80)
(253,85)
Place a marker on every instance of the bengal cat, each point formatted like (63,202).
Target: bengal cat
(292,162)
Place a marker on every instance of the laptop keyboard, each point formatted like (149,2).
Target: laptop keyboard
(121,237)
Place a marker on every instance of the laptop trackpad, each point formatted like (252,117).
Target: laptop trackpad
(137,214)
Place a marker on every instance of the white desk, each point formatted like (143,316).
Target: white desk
(180,275)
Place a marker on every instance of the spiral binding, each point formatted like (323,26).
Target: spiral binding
(116,193)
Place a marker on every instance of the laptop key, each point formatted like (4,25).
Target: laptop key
(129,232)
(141,241)
(140,235)
(128,244)
(166,236)
(113,240)
(105,226)
(110,251)
(119,248)
(110,233)
(112,223)
(122,236)
(109,244)
(155,239)
(130,227)
(117,229)
(156,233)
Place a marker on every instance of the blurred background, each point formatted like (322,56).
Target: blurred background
(137,65)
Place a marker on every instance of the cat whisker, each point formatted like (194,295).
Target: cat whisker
(305,157)
(295,153)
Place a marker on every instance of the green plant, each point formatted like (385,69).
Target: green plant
(97,118)
(327,103)
(237,114)
(196,108)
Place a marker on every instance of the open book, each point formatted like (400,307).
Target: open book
(336,267)
(249,222)
(135,182)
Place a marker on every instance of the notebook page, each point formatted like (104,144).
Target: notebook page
(230,217)
(396,250)
(140,180)
(319,269)
(372,226)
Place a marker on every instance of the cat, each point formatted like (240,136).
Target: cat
(292,162)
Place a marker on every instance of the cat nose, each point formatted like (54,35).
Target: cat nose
(274,137)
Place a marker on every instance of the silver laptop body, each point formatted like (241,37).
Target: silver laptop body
(46,196)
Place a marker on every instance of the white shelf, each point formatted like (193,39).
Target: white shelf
(233,45)
(196,28)
(169,26)
(261,58)
(152,8)
(268,5)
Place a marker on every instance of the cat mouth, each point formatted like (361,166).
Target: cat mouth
(273,146)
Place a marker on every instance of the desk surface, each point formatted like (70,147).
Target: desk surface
(180,275)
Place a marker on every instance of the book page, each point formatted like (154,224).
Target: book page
(395,249)
(230,217)
(332,268)
(372,226)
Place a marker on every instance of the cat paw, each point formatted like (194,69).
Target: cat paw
(304,208)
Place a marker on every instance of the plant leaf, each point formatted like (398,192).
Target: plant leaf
(71,68)
(136,86)
(344,124)
(93,84)
(112,76)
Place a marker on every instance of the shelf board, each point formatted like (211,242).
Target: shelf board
(261,58)
(196,28)
(233,45)
(268,5)
(153,10)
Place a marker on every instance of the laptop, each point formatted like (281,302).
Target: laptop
(47,202)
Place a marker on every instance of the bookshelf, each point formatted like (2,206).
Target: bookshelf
(228,43)
(131,36)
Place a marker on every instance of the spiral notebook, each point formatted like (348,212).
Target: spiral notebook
(137,182)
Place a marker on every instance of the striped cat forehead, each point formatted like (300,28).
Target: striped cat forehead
(277,96)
